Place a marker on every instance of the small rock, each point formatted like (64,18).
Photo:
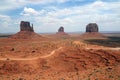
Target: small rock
(33,51)
(8,59)
(61,79)
(12,49)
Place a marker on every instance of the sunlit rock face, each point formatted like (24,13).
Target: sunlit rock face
(25,26)
(92,27)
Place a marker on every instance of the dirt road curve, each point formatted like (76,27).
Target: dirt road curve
(52,53)
(22,59)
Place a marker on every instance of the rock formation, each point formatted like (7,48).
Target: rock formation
(92,27)
(61,29)
(92,32)
(26,32)
(25,26)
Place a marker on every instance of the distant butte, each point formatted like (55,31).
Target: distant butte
(92,32)
(61,31)
(25,26)
(26,32)
(92,27)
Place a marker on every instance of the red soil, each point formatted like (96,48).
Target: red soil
(93,35)
(56,60)
(27,35)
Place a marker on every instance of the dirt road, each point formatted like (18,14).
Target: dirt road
(23,59)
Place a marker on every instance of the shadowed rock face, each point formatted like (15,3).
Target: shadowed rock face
(61,29)
(92,27)
(25,26)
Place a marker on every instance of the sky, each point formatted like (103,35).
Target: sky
(49,15)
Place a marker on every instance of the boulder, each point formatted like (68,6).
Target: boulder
(92,27)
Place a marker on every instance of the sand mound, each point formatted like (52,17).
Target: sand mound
(26,35)
(61,33)
(92,35)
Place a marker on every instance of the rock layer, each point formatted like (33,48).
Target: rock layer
(92,27)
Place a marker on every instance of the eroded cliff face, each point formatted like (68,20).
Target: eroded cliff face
(92,27)
(25,26)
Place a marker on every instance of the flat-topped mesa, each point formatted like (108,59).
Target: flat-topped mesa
(92,27)
(25,26)
(27,32)
(61,29)
(92,32)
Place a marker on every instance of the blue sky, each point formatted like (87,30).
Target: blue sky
(49,15)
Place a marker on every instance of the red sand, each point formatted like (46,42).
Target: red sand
(56,59)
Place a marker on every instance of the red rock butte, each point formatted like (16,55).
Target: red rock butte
(92,27)
(26,32)
(61,31)
(92,32)
(25,26)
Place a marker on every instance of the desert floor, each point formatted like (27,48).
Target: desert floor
(60,58)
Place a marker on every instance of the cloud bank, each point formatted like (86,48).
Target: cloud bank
(48,16)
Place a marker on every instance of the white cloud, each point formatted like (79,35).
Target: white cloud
(7,24)
(29,11)
(62,1)
(5,21)
(105,14)
(6,5)
(98,4)
(4,16)
(45,1)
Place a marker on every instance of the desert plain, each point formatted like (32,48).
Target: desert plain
(55,57)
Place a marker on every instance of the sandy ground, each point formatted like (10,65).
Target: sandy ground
(57,59)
